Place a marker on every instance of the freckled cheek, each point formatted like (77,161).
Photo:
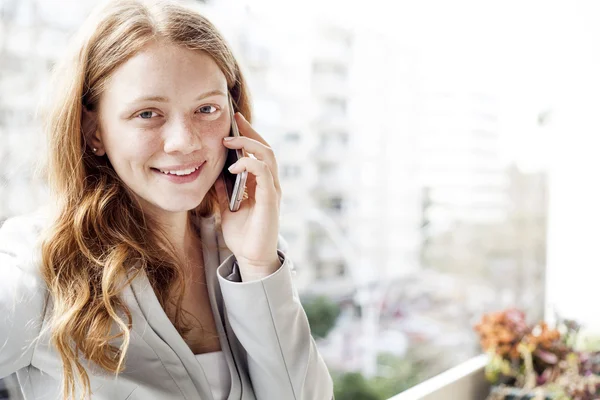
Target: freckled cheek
(213,139)
(213,134)
(217,130)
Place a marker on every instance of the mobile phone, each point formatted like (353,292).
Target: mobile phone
(235,184)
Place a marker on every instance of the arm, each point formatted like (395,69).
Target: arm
(21,296)
(271,324)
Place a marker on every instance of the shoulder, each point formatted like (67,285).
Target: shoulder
(19,235)
(23,292)
(20,251)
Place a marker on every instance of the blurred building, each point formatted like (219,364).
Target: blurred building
(463,178)
(23,64)
(330,160)
(33,35)
(384,157)
(528,218)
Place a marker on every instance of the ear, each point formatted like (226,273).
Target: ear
(91,131)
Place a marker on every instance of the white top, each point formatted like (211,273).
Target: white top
(217,372)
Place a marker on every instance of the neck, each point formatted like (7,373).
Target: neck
(182,236)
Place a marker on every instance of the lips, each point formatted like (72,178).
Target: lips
(183,167)
(182,172)
(174,178)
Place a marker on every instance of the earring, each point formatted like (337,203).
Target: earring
(94,149)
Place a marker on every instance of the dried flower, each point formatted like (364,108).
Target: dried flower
(538,359)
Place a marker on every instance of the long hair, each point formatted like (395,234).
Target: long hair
(100,238)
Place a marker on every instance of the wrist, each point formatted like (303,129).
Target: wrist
(251,271)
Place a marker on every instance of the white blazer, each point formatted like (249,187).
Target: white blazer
(263,330)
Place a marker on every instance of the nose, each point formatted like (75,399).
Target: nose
(181,137)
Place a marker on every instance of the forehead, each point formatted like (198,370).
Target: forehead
(164,67)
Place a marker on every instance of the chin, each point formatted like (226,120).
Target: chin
(173,202)
(176,207)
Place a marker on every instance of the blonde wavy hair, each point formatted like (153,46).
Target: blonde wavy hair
(100,238)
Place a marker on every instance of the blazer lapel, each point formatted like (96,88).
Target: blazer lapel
(158,331)
(215,252)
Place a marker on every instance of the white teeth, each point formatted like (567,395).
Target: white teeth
(180,172)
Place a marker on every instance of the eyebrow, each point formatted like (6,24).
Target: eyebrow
(165,99)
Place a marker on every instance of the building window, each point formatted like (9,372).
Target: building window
(319,273)
(335,107)
(341,269)
(290,171)
(330,69)
(336,203)
(292,137)
(330,139)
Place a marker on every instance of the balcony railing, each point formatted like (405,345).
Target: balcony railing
(463,382)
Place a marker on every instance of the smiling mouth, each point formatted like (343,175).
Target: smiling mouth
(181,172)
(184,172)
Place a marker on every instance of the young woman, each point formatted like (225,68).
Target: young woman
(138,282)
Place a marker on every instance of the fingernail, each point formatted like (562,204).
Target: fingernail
(232,166)
(228,138)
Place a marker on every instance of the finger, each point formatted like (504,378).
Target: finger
(253,146)
(247,130)
(262,173)
(258,150)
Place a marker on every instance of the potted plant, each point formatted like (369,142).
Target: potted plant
(535,361)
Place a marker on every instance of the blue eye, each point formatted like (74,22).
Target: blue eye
(204,107)
(146,114)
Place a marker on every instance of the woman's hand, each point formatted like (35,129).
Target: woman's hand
(251,233)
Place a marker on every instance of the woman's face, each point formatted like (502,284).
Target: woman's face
(164,113)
